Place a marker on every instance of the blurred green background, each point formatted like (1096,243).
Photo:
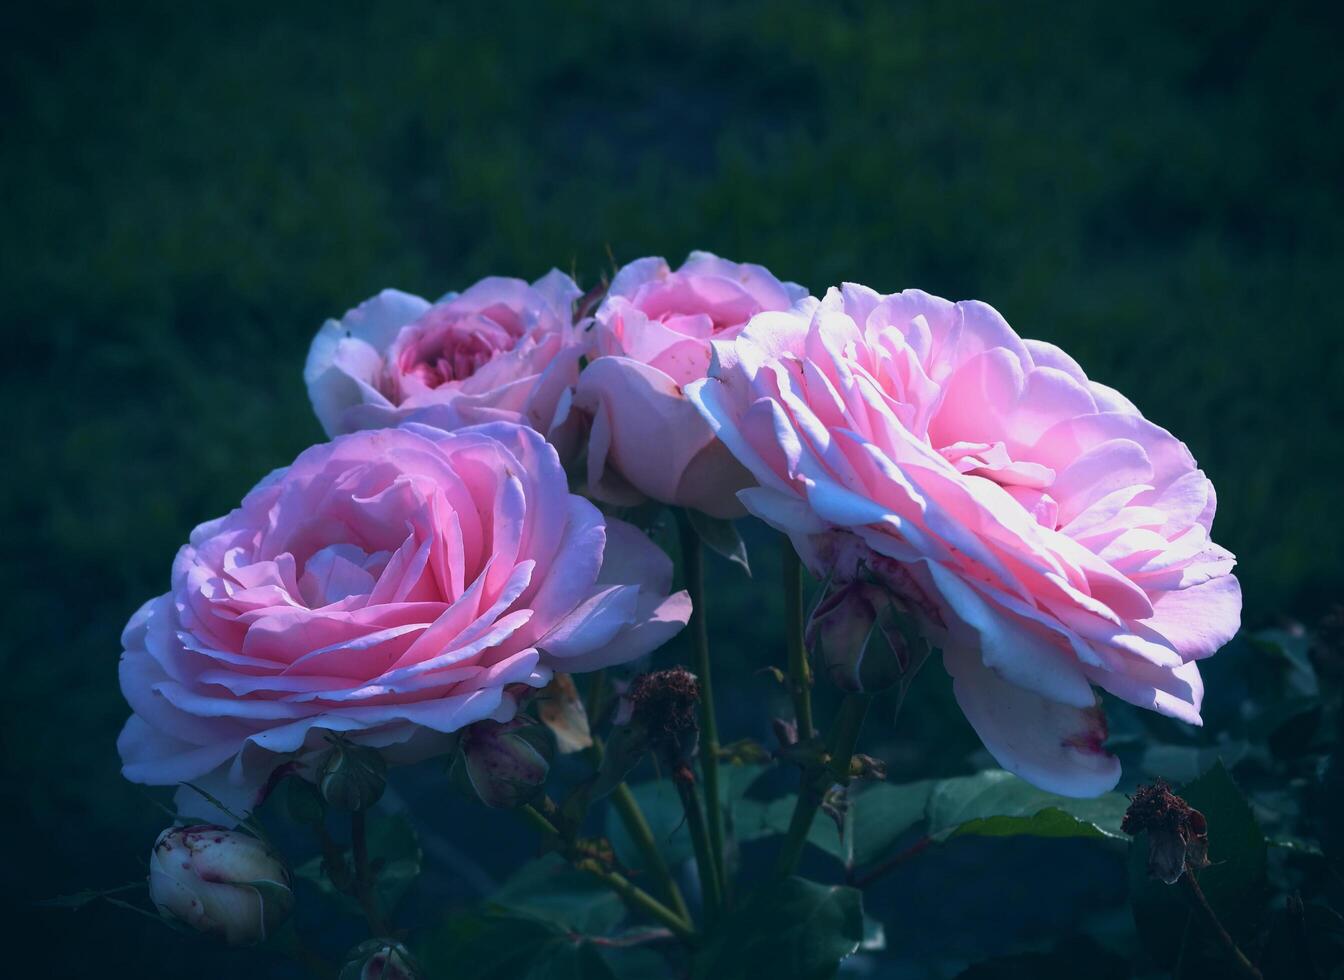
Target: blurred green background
(187,191)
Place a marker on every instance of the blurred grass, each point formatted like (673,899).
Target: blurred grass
(186,194)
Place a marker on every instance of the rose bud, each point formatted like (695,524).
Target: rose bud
(504,765)
(219,882)
(351,777)
(861,643)
(380,959)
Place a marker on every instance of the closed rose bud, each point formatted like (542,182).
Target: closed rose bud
(380,959)
(504,765)
(860,641)
(352,777)
(220,882)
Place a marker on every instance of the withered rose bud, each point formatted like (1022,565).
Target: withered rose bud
(665,705)
(220,882)
(380,959)
(860,641)
(352,777)
(1178,835)
(504,764)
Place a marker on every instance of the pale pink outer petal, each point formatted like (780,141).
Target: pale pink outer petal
(1055,746)
(655,436)
(347,354)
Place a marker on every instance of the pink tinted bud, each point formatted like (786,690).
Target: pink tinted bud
(505,765)
(220,882)
(861,645)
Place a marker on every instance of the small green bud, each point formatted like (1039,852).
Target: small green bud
(351,777)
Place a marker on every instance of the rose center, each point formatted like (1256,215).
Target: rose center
(434,352)
(339,571)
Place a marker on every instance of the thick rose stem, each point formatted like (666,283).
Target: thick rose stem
(844,739)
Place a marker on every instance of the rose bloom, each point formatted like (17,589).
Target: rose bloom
(652,335)
(1045,534)
(501,351)
(394,586)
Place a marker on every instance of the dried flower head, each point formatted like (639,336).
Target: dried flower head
(1178,836)
(665,705)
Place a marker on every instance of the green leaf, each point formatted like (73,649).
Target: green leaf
(569,959)
(997,803)
(1182,763)
(796,930)
(721,537)
(1300,675)
(757,819)
(1237,847)
(989,804)
(485,946)
(502,945)
(549,888)
(883,813)
(661,805)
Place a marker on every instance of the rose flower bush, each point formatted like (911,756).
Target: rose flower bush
(393,586)
(421,588)
(1044,534)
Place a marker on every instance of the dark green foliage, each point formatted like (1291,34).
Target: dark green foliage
(793,930)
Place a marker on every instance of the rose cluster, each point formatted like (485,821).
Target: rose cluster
(429,569)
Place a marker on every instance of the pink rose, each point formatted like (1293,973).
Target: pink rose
(393,585)
(652,335)
(501,351)
(1045,534)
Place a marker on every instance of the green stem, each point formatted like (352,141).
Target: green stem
(539,822)
(364,884)
(638,898)
(693,560)
(642,834)
(627,807)
(844,739)
(1201,904)
(631,893)
(800,674)
(701,842)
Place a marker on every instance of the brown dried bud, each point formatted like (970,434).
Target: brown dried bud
(1178,835)
(665,705)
